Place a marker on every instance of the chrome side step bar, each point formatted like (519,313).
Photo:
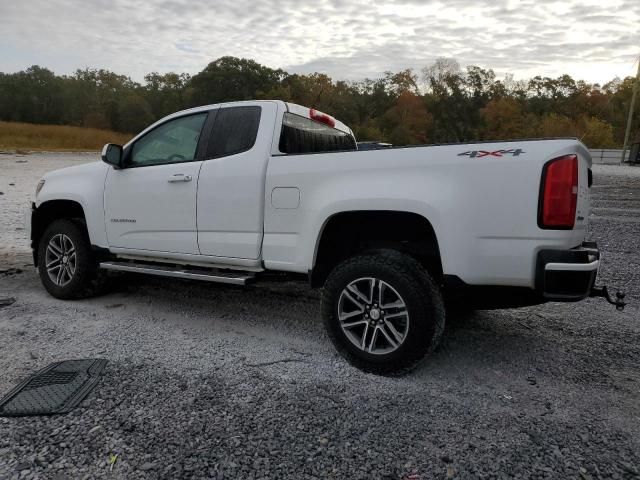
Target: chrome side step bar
(179,272)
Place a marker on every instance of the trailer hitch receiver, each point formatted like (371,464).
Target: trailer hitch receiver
(604,293)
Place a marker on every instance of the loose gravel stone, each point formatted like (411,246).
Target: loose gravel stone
(147,466)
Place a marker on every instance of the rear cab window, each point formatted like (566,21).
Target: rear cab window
(304,135)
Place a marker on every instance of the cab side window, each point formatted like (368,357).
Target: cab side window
(234,131)
(172,142)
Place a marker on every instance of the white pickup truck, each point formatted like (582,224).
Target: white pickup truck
(233,192)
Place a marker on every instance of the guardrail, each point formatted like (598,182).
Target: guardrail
(608,156)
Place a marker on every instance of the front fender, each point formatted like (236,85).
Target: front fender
(83,184)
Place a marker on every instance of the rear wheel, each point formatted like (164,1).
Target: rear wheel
(383,311)
(66,264)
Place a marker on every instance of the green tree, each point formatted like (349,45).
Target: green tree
(134,113)
(34,95)
(554,125)
(230,78)
(446,104)
(455,118)
(408,121)
(595,133)
(165,92)
(504,119)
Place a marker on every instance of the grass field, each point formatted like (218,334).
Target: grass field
(33,137)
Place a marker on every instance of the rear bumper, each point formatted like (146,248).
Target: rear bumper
(567,275)
(561,276)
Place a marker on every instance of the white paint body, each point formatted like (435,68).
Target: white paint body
(261,209)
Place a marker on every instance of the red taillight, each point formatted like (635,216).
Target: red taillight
(322,117)
(559,193)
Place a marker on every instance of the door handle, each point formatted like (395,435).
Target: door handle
(179,177)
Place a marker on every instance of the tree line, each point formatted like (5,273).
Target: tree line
(441,103)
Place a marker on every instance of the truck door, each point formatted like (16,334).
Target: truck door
(150,204)
(230,204)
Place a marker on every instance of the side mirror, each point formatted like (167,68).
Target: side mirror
(112,154)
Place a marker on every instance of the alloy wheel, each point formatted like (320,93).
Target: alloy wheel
(61,259)
(373,315)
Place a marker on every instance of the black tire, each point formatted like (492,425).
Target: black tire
(420,294)
(86,280)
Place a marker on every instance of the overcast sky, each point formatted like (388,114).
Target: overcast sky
(347,39)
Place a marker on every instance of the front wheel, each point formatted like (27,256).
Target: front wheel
(66,264)
(383,311)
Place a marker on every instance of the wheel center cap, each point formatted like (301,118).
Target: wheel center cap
(374,313)
(64,259)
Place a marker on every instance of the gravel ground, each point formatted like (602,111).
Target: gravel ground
(209,381)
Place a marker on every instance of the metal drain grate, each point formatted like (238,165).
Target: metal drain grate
(54,389)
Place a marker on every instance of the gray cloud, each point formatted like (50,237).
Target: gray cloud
(347,39)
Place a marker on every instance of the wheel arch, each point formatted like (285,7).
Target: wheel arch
(49,211)
(347,233)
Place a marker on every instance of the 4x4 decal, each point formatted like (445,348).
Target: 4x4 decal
(496,153)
